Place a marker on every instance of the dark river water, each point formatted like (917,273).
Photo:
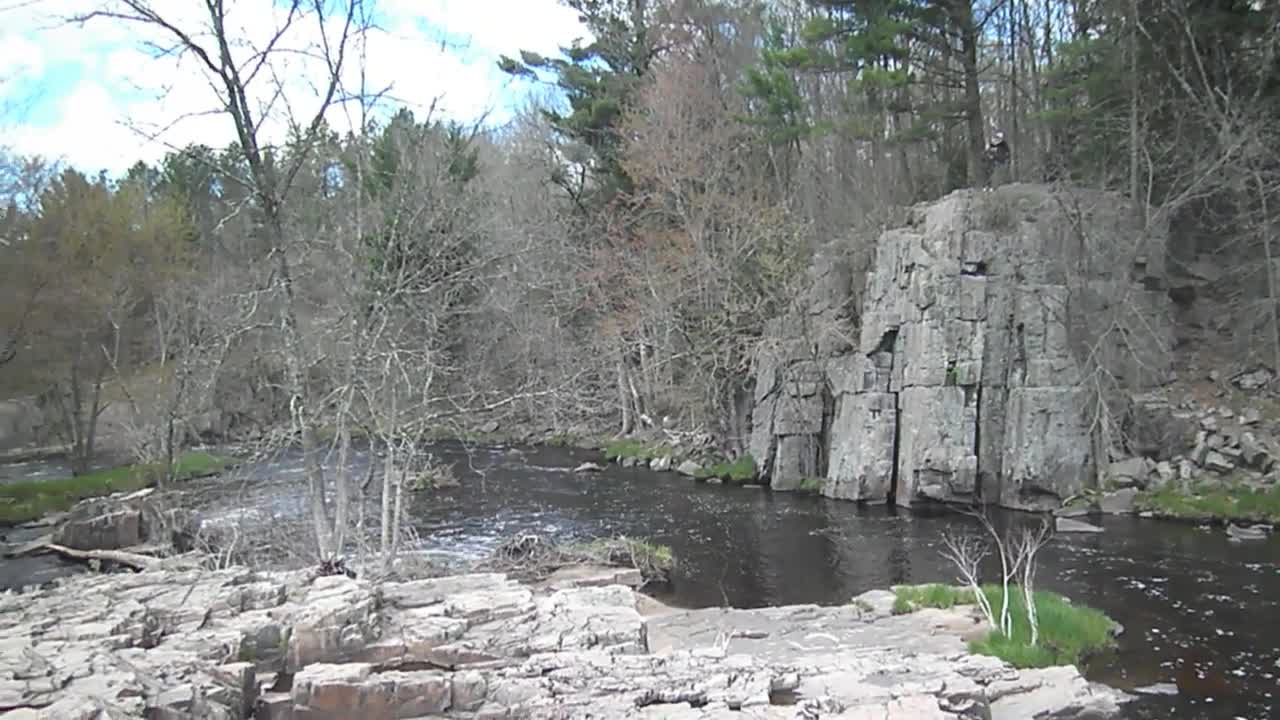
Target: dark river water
(1200,612)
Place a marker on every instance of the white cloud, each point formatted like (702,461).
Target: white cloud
(125,94)
(85,135)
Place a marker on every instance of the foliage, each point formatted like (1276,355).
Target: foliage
(1068,633)
(741,470)
(775,103)
(630,448)
(29,500)
(88,268)
(1214,501)
(909,598)
(597,80)
(812,484)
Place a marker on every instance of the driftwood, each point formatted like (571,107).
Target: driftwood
(138,561)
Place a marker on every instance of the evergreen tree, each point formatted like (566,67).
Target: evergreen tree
(598,80)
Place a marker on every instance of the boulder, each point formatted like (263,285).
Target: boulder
(1254,379)
(101,524)
(960,378)
(1068,525)
(1158,430)
(1130,472)
(1255,453)
(1247,532)
(1118,502)
(1218,462)
(689,468)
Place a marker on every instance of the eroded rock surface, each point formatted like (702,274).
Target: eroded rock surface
(978,322)
(237,644)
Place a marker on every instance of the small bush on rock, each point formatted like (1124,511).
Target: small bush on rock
(1067,633)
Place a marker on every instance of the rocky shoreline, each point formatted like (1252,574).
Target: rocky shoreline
(242,644)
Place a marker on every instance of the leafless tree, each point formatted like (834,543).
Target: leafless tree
(1017,552)
(236,69)
(967,553)
(1024,546)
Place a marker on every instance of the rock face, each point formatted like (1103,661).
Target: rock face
(236,644)
(979,321)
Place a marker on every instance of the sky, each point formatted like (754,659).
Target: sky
(103,95)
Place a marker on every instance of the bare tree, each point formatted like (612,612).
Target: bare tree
(705,253)
(967,553)
(1024,547)
(236,68)
(1017,552)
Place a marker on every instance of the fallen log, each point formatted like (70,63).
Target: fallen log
(136,561)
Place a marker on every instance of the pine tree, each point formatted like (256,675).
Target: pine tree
(598,80)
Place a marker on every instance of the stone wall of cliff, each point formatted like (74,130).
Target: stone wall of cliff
(977,357)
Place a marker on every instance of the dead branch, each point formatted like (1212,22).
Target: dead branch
(137,561)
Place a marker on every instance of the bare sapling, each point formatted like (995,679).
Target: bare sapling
(1025,546)
(1017,552)
(1008,571)
(967,553)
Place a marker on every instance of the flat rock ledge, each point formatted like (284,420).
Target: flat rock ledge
(239,644)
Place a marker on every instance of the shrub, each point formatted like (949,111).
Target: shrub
(1068,633)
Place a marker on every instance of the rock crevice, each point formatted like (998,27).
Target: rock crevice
(993,331)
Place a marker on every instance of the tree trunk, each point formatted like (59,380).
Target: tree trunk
(341,479)
(963,14)
(299,396)
(1272,297)
(1135,195)
(624,396)
(388,479)
(1013,91)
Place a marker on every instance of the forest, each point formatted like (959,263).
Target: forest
(606,261)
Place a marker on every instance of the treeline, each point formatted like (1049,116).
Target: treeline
(609,258)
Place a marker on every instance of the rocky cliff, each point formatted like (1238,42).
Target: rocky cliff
(987,352)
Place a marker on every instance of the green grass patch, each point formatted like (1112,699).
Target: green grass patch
(25,501)
(1068,633)
(622,449)
(910,598)
(1228,501)
(811,485)
(742,470)
(564,439)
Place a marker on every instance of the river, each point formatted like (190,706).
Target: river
(1199,610)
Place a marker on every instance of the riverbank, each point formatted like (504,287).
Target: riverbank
(25,501)
(239,644)
(1188,596)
